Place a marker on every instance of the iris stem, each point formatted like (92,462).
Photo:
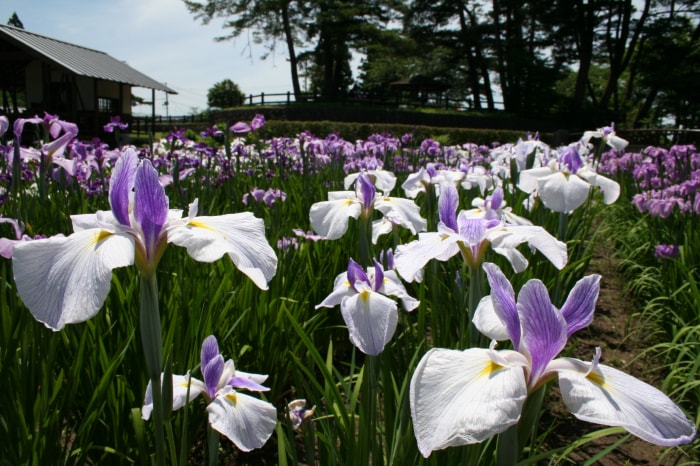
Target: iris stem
(507,454)
(213,445)
(151,340)
(475,295)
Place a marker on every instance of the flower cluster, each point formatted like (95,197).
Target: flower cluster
(667,180)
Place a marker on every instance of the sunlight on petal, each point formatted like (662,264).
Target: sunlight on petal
(248,422)
(241,236)
(610,397)
(463,397)
(65,280)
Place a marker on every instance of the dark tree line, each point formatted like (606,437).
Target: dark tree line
(634,61)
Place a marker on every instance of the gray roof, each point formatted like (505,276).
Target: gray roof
(80,60)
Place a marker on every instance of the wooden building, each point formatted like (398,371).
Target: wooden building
(86,86)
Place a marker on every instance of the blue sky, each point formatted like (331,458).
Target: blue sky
(161,39)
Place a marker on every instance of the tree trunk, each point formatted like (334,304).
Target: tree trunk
(293,62)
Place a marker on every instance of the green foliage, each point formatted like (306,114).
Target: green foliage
(225,94)
(74,397)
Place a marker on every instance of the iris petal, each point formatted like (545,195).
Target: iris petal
(610,397)
(371,319)
(121,184)
(65,280)
(330,218)
(463,397)
(241,236)
(248,422)
(580,304)
(543,326)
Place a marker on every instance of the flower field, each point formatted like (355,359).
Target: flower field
(226,299)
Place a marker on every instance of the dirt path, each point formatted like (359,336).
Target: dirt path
(621,338)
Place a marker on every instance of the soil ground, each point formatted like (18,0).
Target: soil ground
(622,338)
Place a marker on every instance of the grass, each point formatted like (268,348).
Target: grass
(73,397)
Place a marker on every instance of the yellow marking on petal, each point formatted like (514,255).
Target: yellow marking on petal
(489,369)
(100,236)
(348,201)
(364,295)
(597,379)
(232,398)
(198,224)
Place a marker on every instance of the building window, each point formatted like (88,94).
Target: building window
(106,105)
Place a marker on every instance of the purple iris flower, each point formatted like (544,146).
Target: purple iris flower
(464,397)
(247,421)
(115,122)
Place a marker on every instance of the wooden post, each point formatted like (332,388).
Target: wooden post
(262,98)
(153,111)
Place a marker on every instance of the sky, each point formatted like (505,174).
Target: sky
(162,40)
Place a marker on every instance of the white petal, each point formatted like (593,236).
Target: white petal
(248,422)
(341,289)
(64,280)
(404,211)
(410,258)
(381,227)
(537,237)
(529,178)
(610,397)
(463,397)
(487,321)
(180,390)
(563,192)
(371,319)
(392,286)
(610,188)
(330,218)
(241,236)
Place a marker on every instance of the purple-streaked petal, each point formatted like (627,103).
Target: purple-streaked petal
(356,273)
(503,300)
(150,205)
(121,184)
(241,127)
(610,397)
(580,304)
(248,384)
(210,350)
(257,122)
(378,275)
(448,205)
(496,201)
(472,230)
(571,158)
(366,192)
(212,373)
(543,326)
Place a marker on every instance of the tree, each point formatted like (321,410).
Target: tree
(225,94)
(269,21)
(15,21)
